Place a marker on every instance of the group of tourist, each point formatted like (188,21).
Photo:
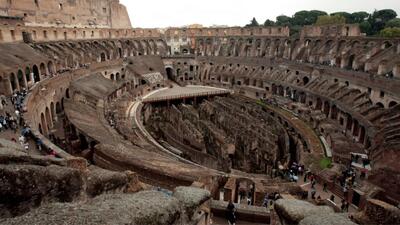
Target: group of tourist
(7,120)
(347,180)
(269,199)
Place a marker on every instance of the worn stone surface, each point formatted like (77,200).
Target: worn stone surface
(327,219)
(27,182)
(378,212)
(26,186)
(142,208)
(294,211)
(191,198)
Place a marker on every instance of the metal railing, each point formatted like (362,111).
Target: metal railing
(183,96)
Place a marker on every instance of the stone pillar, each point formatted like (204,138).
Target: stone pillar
(18,87)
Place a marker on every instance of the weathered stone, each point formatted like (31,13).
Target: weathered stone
(191,198)
(142,208)
(327,219)
(293,211)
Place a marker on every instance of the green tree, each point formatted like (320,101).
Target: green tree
(283,20)
(378,19)
(359,17)
(365,27)
(390,32)
(393,23)
(304,17)
(269,23)
(348,17)
(253,23)
(330,20)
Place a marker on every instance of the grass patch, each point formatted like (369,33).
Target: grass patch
(325,163)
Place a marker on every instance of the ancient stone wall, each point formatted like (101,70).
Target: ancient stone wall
(73,13)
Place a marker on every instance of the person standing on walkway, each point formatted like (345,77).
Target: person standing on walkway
(230,213)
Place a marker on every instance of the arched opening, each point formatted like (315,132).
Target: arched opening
(318,106)
(50,67)
(170,73)
(67,93)
(103,57)
(349,122)
(83,142)
(380,105)
(120,52)
(112,77)
(48,118)
(53,111)
(334,112)
(44,124)
(306,80)
(117,76)
(28,73)
(13,82)
(36,73)
(326,108)
(392,104)
(58,108)
(20,76)
(350,62)
(43,69)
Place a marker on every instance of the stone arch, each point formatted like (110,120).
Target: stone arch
(392,104)
(48,118)
(306,80)
(21,79)
(334,113)
(50,67)
(326,108)
(36,74)
(380,105)
(170,73)
(28,73)
(67,93)
(103,57)
(14,82)
(53,111)
(58,108)
(44,124)
(318,106)
(43,69)
(112,77)
(350,62)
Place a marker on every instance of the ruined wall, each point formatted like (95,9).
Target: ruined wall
(68,13)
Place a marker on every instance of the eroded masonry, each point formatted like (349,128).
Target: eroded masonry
(106,124)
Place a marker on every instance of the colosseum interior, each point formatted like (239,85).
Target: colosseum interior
(111,124)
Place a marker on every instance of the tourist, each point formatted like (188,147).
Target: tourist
(265,202)
(230,213)
(313,192)
(21,140)
(39,144)
(313,182)
(346,206)
(325,187)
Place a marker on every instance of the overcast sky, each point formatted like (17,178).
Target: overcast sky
(165,13)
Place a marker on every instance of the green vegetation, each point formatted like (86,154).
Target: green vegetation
(372,24)
(330,20)
(325,163)
(390,32)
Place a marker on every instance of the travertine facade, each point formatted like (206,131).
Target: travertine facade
(71,13)
(329,93)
